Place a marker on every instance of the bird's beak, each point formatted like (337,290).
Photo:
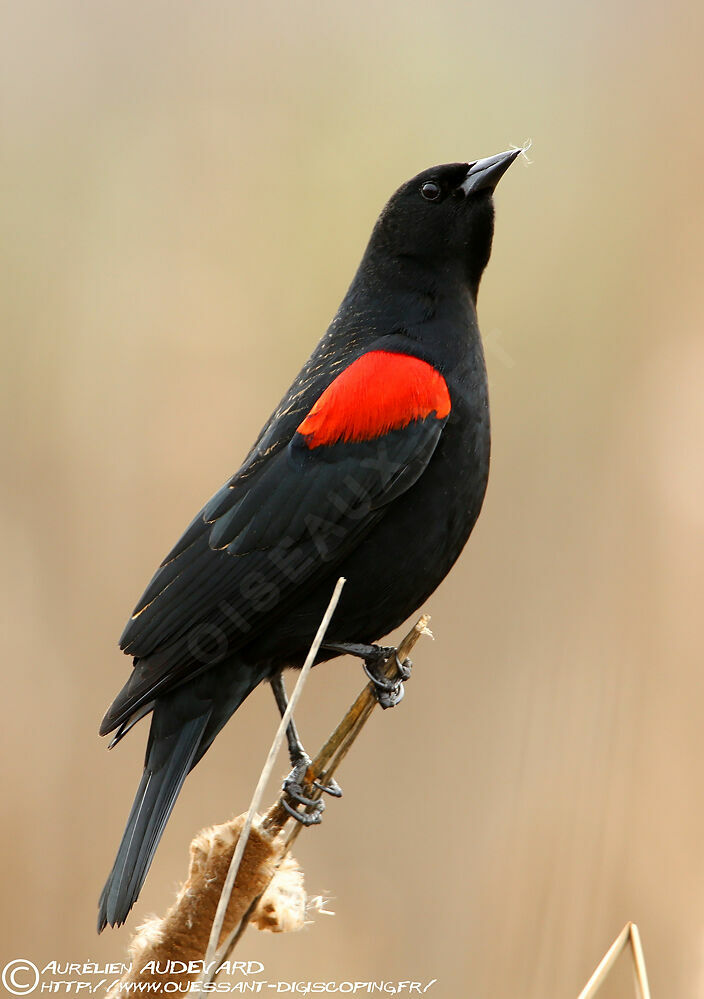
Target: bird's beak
(486,174)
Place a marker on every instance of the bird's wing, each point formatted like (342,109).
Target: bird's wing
(261,537)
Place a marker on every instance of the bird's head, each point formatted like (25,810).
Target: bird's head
(444,217)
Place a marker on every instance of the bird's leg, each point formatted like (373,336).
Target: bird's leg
(388,693)
(296,751)
(300,761)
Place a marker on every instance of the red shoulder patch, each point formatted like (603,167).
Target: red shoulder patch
(379,392)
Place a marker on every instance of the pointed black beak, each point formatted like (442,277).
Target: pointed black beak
(486,174)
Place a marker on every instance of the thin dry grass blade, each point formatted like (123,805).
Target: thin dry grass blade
(262,782)
(641,974)
(629,933)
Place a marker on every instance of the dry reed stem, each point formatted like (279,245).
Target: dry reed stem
(323,768)
(325,764)
(629,934)
(264,778)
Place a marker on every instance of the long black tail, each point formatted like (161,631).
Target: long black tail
(184,724)
(169,759)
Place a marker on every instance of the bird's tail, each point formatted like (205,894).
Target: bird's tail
(184,723)
(168,762)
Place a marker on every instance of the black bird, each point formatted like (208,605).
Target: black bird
(373,467)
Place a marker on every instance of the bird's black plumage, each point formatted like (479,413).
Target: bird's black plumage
(373,466)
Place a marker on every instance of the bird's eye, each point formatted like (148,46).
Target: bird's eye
(430,190)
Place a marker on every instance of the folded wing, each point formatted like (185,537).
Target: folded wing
(265,535)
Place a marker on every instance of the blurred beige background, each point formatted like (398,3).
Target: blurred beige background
(186,191)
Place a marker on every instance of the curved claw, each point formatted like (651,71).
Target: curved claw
(391,697)
(389,693)
(380,682)
(313,818)
(293,784)
(332,788)
(293,789)
(405,668)
(295,793)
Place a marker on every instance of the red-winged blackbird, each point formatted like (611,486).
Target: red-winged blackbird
(373,467)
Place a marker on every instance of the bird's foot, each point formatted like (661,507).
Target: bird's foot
(295,787)
(388,692)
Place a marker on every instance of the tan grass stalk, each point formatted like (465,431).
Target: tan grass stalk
(265,775)
(322,769)
(629,934)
